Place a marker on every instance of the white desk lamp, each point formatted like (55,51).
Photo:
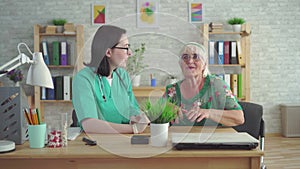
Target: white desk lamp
(38,75)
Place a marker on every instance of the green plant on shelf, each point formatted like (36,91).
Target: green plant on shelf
(235,21)
(59,22)
(135,62)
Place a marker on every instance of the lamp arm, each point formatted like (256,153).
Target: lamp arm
(25,46)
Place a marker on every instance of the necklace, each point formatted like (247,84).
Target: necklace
(101,88)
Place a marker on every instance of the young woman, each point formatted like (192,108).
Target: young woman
(102,91)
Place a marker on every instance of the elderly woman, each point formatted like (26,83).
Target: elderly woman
(102,91)
(204,99)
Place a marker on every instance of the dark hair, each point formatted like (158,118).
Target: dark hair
(104,68)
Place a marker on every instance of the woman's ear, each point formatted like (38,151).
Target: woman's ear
(108,52)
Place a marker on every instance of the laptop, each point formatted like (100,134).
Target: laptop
(232,141)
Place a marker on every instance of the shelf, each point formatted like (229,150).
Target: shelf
(56,101)
(225,69)
(146,91)
(56,34)
(225,33)
(60,66)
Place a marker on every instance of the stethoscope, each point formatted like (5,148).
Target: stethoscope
(101,87)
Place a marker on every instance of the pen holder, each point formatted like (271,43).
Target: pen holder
(153,82)
(37,134)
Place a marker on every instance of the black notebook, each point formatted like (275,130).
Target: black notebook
(244,141)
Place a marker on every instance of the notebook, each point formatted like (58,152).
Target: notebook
(239,140)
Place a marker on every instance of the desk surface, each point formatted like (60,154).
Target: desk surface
(117,147)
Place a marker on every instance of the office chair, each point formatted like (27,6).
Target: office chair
(254,124)
(75,120)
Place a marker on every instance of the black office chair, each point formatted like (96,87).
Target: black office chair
(254,124)
(75,120)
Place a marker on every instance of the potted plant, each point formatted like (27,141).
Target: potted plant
(236,23)
(59,23)
(135,64)
(160,113)
(15,75)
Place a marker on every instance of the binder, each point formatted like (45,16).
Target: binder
(55,53)
(226,52)
(227,79)
(63,53)
(240,53)
(233,59)
(43,93)
(234,84)
(67,87)
(50,93)
(45,52)
(212,52)
(220,52)
(240,87)
(59,87)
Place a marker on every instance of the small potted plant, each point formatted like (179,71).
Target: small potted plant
(135,64)
(15,75)
(59,23)
(236,23)
(160,113)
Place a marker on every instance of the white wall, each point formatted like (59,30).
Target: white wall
(275,39)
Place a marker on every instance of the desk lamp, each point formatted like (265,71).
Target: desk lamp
(10,99)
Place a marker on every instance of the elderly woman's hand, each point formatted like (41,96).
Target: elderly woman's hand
(196,114)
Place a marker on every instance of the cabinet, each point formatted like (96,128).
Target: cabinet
(75,56)
(243,69)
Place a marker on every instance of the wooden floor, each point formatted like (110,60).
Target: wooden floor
(282,152)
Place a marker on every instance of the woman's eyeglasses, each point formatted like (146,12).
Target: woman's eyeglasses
(124,48)
(187,57)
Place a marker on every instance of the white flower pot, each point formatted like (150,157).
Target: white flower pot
(136,80)
(237,28)
(159,134)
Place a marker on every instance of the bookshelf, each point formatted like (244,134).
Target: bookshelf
(75,58)
(244,68)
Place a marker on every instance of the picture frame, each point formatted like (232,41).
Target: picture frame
(195,11)
(147,13)
(98,13)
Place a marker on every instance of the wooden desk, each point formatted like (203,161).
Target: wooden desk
(79,155)
(146,91)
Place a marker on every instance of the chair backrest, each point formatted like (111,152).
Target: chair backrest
(75,120)
(254,124)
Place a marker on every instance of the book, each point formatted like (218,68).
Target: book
(233,57)
(240,53)
(66,88)
(220,52)
(226,52)
(50,93)
(59,87)
(45,52)
(234,84)
(212,52)
(240,87)
(63,53)
(43,93)
(227,79)
(55,53)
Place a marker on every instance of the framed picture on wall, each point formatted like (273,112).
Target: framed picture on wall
(195,12)
(98,13)
(147,13)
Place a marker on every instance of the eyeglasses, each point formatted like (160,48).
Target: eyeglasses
(187,57)
(127,49)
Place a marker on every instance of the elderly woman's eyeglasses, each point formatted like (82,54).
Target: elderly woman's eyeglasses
(124,48)
(187,57)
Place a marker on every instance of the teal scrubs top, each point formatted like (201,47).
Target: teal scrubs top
(88,90)
(215,94)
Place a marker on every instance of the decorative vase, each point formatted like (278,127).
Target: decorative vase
(59,29)
(237,28)
(136,80)
(159,134)
(17,84)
